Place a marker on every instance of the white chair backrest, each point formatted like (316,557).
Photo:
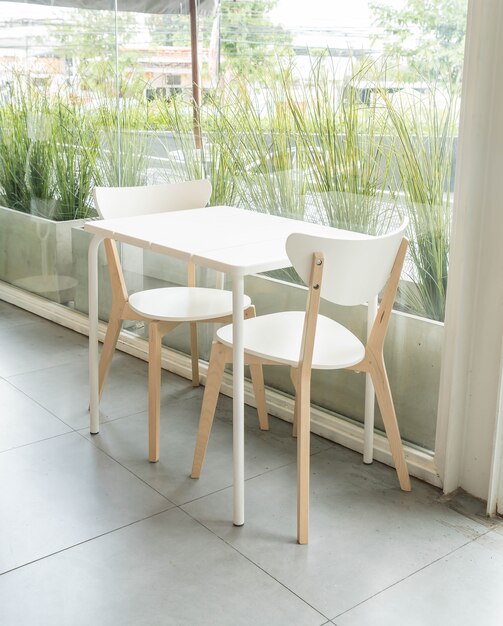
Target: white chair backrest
(112,202)
(355,270)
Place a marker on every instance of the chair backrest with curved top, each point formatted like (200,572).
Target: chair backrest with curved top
(113,202)
(355,270)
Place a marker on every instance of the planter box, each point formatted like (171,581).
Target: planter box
(80,245)
(132,269)
(36,254)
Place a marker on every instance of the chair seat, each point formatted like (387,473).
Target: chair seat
(278,336)
(183,304)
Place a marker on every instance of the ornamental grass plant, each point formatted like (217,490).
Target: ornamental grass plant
(121,124)
(347,151)
(14,146)
(345,146)
(424,127)
(75,152)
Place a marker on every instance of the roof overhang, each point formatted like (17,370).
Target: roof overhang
(179,7)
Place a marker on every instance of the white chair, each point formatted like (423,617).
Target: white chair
(164,308)
(346,272)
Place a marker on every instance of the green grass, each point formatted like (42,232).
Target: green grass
(14,146)
(424,150)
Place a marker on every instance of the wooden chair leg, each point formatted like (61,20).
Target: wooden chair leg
(109,344)
(250,312)
(154,391)
(220,354)
(294,376)
(257,376)
(303,459)
(194,351)
(385,400)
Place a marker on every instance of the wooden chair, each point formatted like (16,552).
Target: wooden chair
(346,272)
(164,308)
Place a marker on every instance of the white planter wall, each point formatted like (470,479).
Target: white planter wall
(36,254)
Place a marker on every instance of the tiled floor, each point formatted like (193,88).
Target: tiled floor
(93,534)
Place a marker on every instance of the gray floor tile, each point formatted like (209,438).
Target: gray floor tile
(471,507)
(365,533)
(126,441)
(62,491)
(23,421)
(39,344)
(64,390)
(377,556)
(14,316)
(164,571)
(465,588)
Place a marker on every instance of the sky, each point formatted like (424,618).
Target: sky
(351,13)
(334,23)
(292,13)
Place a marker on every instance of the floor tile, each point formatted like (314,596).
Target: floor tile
(78,552)
(62,491)
(64,390)
(39,344)
(365,533)
(465,588)
(126,441)
(164,571)
(14,316)
(23,421)
(471,507)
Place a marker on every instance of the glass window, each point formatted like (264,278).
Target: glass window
(344,114)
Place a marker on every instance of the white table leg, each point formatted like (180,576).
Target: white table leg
(368,430)
(238,399)
(94,402)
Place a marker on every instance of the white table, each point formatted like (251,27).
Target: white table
(226,239)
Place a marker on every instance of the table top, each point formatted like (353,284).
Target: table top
(224,238)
